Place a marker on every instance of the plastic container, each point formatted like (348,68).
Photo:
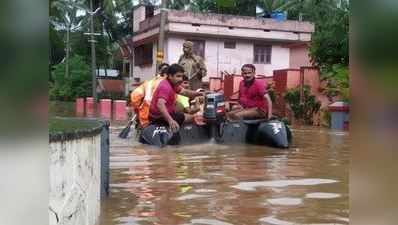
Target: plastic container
(339,115)
(279,16)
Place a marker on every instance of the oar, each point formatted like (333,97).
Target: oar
(125,132)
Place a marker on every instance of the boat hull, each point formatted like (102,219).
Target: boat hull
(269,133)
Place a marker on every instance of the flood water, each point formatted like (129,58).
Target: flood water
(211,184)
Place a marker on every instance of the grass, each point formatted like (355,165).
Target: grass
(67,125)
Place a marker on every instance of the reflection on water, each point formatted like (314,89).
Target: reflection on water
(223,184)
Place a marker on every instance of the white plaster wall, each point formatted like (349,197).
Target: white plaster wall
(230,60)
(75,173)
(139,15)
(258,34)
(173,49)
(280,58)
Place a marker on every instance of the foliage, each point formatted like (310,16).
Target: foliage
(57,46)
(303,110)
(232,7)
(329,42)
(337,82)
(65,14)
(69,14)
(81,46)
(78,84)
(116,17)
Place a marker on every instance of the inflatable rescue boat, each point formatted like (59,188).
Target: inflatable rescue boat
(273,133)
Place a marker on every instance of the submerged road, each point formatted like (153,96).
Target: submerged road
(211,184)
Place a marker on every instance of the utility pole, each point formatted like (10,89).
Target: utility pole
(93,66)
(160,52)
(92,40)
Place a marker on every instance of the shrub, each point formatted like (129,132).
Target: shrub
(77,84)
(305,110)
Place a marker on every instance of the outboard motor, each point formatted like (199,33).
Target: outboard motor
(214,107)
(214,113)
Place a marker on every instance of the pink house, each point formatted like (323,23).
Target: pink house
(225,42)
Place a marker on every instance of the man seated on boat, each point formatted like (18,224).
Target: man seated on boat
(183,103)
(254,101)
(141,96)
(162,110)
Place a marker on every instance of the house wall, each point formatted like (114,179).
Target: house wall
(247,33)
(139,15)
(229,60)
(299,56)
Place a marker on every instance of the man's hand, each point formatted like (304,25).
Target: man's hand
(174,126)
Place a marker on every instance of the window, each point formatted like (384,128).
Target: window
(230,44)
(198,47)
(149,11)
(143,55)
(262,54)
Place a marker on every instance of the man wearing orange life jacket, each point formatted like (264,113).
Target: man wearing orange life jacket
(141,97)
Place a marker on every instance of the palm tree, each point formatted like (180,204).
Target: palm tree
(66,15)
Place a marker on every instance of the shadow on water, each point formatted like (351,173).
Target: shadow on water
(220,184)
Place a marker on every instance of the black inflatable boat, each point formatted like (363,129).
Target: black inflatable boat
(273,133)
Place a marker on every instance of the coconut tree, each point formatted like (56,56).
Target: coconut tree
(67,16)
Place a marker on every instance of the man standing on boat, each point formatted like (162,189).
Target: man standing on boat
(254,101)
(163,105)
(194,67)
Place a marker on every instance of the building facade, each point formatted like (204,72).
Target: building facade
(225,42)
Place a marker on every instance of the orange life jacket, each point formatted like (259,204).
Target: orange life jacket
(141,99)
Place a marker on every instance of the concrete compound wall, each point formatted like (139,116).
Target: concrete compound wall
(79,176)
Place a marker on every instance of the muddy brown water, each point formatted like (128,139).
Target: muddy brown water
(211,184)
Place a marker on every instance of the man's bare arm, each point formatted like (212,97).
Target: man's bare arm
(161,104)
(269,101)
(190,93)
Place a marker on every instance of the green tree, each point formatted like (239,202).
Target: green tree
(57,46)
(329,44)
(337,82)
(65,16)
(78,84)
(329,47)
